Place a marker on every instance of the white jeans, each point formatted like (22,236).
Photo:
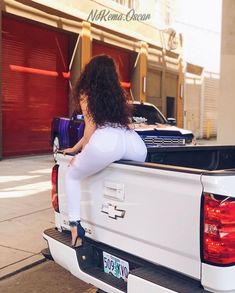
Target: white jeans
(106,145)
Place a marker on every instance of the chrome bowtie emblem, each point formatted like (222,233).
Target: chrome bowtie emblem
(112,211)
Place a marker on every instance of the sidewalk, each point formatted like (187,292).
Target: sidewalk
(210,141)
(26,211)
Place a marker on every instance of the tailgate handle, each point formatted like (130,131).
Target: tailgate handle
(114,190)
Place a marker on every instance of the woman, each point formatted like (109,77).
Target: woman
(107,136)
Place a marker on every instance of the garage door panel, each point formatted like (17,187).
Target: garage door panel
(121,57)
(34,89)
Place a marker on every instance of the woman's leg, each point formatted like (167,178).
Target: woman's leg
(105,146)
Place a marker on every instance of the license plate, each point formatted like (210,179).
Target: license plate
(119,268)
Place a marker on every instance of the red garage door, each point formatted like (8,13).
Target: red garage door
(35,88)
(121,57)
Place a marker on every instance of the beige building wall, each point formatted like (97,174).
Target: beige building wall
(226,105)
(201,103)
(0,86)
(154,87)
(98,11)
(193,86)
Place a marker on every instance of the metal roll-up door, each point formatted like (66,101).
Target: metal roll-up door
(193,88)
(211,94)
(121,57)
(34,85)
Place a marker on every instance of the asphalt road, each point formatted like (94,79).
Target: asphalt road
(46,277)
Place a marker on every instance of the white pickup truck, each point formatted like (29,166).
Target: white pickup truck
(167,225)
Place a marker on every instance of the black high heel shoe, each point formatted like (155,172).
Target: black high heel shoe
(79,236)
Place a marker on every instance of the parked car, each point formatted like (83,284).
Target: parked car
(147,120)
(156,130)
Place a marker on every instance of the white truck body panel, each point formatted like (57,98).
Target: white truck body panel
(138,285)
(218,279)
(149,213)
(219,184)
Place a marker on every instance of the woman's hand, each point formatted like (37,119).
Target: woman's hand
(68,151)
(72,161)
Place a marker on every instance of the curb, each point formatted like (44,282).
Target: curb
(21,266)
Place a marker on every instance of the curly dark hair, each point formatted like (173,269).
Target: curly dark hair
(107,101)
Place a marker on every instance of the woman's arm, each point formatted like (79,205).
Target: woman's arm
(90,128)
(76,148)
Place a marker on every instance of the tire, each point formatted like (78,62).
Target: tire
(56,146)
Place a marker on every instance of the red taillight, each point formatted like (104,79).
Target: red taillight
(54,189)
(219,229)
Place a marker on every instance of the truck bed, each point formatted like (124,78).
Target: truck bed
(209,158)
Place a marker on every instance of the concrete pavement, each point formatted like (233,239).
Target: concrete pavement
(47,277)
(25,211)
(210,141)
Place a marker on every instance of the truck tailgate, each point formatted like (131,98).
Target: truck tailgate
(148,210)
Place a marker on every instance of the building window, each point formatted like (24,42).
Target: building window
(164,12)
(131,4)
